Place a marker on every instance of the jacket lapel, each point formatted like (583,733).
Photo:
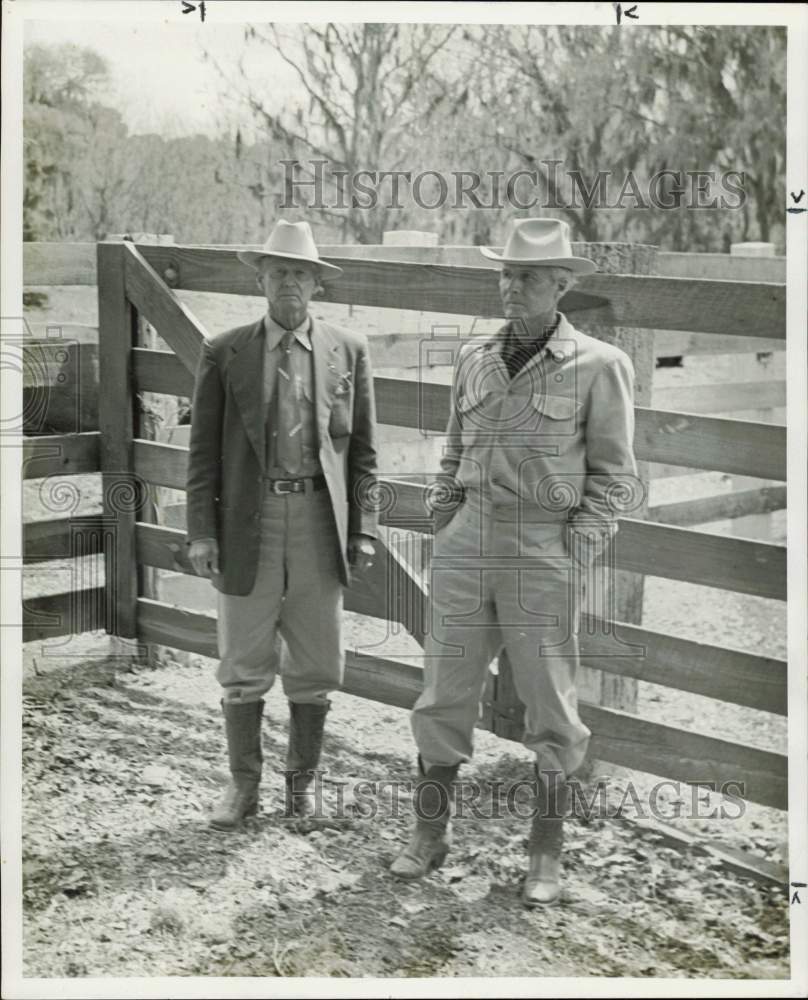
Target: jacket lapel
(246,376)
(324,350)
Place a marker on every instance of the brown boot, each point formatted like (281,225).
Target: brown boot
(432,837)
(543,882)
(242,724)
(306,725)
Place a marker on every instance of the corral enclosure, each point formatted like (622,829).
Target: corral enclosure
(683,432)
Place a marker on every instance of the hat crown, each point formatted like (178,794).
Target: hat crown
(291,241)
(537,242)
(293,238)
(537,239)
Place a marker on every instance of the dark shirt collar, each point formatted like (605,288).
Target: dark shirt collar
(512,326)
(517,353)
(559,350)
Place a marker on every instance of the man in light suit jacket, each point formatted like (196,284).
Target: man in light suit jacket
(540,448)
(282,457)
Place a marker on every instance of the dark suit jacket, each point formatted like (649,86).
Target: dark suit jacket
(227,459)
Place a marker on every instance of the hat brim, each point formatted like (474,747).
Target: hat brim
(578,265)
(254,257)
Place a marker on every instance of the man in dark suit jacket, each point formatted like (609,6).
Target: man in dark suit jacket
(282,460)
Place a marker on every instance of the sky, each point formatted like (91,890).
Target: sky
(160,80)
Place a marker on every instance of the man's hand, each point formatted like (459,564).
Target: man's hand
(444,498)
(361,551)
(587,539)
(204,556)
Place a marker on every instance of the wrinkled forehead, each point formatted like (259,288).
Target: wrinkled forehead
(280,265)
(534,270)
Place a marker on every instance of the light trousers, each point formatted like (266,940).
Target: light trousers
(297,598)
(499,584)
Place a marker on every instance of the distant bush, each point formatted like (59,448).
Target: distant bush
(35,300)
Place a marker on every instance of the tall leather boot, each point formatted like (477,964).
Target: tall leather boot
(432,837)
(242,723)
(543,882)
(306,725)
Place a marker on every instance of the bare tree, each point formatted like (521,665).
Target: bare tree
(364,90)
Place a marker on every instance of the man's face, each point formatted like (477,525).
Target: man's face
(528,290)
(288,284)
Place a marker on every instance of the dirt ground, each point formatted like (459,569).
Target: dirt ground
(122,877)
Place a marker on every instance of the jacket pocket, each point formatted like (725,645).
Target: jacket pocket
(558,408)
(556,417)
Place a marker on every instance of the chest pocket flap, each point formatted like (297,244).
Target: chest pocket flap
(556,407)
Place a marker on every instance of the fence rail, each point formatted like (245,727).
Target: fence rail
(684,440)
(675,438)
(61,454)
(617,736)
(76,263)
(134,282)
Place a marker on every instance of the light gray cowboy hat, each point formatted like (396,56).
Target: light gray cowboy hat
(293,241)
(540,241)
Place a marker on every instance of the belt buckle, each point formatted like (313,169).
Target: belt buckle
(278,483)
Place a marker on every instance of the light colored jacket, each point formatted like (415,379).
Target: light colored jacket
(555,443)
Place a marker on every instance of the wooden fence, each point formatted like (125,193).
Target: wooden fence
(137,280)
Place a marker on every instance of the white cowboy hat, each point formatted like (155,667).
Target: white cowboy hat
(294,241)
(540,241)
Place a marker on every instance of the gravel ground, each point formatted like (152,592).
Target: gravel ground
(123,878)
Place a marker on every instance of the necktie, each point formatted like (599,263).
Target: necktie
(288,450)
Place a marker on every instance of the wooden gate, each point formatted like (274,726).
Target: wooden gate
(137,280)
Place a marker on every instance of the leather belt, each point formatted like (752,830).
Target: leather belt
(307,484)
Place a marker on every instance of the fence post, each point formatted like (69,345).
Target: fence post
(408,238)
(593,685)
(154,419)
(153,415)
(418,553)
(612,690)
(753,525)
(122,496)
